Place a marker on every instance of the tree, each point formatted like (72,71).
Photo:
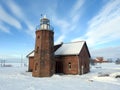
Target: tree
(92,61)
(117,61)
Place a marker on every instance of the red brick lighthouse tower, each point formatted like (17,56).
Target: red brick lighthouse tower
(44,55)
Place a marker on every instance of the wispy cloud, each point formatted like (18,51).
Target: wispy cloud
(75,12)
(77,6)
(31,29)
(15,9)
(8,19)
(60,39)
(19,13)
(63,25)
(104,27)
(4,28)
(68,24)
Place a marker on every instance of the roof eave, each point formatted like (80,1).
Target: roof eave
(30,53)
(67,54)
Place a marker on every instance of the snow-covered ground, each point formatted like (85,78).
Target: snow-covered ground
(16,78)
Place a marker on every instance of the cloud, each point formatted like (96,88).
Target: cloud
(69,23)
(19,13)
(60,39)
(108,52)
(76,7)
(4,28)
(104,27)
(15,9)
(6,18)
(75,12)
(62,24)
(63,28)
(31,29)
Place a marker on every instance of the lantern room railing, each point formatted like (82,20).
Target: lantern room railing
(38,27)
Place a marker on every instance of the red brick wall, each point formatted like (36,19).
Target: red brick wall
(84,60)
(66,60)
(44,54)
(79,64)
(74,65)
(30,67)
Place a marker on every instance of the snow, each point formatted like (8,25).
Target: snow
(17,78)
(31,54)
(72,48)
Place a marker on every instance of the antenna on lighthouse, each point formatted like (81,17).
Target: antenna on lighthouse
(41,15)
(45,16)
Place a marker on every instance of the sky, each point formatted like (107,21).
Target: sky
(95,21)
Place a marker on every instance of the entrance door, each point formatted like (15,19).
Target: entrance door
(59,67)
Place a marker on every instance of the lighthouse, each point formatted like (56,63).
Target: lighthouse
(44,50)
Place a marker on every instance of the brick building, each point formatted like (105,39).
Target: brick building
(100,60)
(65,58)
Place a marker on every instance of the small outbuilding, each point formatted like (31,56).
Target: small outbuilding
(30,56)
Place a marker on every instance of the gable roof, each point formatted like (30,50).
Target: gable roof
(72,48)
(57,46)
(31,54)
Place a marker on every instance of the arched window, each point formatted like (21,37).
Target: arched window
(37,49)
(38,37)
(69,65)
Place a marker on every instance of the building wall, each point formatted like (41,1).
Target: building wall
(79,63)
(30,67)
(69,63)
(44,54)
(84,58)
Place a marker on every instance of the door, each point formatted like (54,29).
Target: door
(59,67)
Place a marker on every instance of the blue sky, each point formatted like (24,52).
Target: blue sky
(95,21)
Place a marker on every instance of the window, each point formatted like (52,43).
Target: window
(69,65)
(37,49)
(38,37)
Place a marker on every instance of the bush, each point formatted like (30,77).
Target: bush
(118,76)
